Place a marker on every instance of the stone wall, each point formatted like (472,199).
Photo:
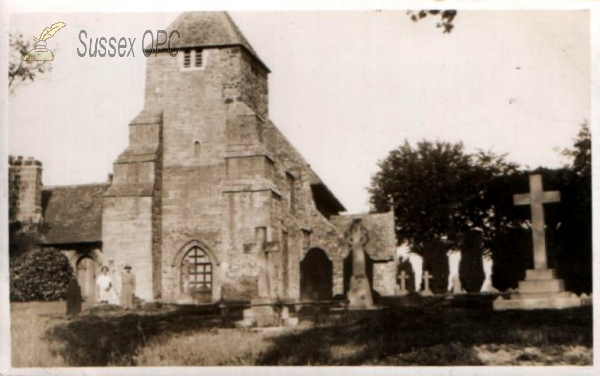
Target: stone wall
(130,217)
(24,190)
(127,238)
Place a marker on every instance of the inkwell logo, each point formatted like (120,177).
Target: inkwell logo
(40,52)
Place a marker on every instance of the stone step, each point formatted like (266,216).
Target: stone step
(543,295)
(559,303)
(290,321)
(256,301)
(267,320)
(258,311)
(541,285)
(535,274)
(245,323)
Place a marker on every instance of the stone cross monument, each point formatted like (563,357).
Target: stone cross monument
(540,289)
(426,277)
(536,198)
(403,277)
(359,294)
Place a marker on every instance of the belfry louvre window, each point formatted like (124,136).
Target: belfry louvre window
(198,55)
(193,58)
(199,271)
(187,58)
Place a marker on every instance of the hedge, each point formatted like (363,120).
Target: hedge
(39,275)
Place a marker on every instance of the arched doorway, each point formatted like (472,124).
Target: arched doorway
(196,275)
(86,276)
(316,276)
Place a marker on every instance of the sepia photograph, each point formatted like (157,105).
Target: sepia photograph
(382,187)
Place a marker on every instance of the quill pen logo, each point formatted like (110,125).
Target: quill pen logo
(40,52)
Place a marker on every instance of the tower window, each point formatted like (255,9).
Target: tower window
(193,58)
(197,149)
(187,58)
(198,56)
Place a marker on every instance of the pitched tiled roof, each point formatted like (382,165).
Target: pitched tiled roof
(380,226)
(205,29)
(72,214)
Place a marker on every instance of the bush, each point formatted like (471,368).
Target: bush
(39,275)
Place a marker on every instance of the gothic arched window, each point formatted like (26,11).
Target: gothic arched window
(197,273)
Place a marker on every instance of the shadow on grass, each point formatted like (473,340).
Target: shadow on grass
(105,338)
(431,331)
(412,331)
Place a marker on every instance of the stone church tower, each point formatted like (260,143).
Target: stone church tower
(209,201)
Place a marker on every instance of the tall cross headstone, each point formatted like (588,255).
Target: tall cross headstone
(264,285)
(427,277)
(540,289)
(403,277)
(359,294)
(536,198)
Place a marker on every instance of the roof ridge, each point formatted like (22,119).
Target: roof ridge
(72,185)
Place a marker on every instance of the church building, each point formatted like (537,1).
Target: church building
(209,201)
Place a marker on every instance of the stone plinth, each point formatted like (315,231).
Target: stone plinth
(261,314)
(540,290)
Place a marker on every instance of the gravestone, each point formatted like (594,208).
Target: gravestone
(262,312)
(456,286)
(488,264)
(359,293)
(403,277)
(74,297)
(454,258)
(540,289)
(426,277)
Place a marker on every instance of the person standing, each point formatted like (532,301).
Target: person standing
(104,286)
(127,288)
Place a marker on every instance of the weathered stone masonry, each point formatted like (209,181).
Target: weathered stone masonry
(210,201)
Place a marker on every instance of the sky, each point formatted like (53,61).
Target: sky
(346,88)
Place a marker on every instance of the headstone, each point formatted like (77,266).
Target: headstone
(73,297)
(456,286)
(454,257)
(488,264)
(359,293)
(415,260)
(403,277)
(540,289)
(426,277)
(262,312)
(264,288)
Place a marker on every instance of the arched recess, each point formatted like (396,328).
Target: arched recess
(195,274)
(316,276)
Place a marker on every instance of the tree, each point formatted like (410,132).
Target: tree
(581,154)
(19,71)
(440,192)
(576,214)
(446,17)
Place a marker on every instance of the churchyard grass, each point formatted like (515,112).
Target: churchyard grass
(29,323)
(412,331)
